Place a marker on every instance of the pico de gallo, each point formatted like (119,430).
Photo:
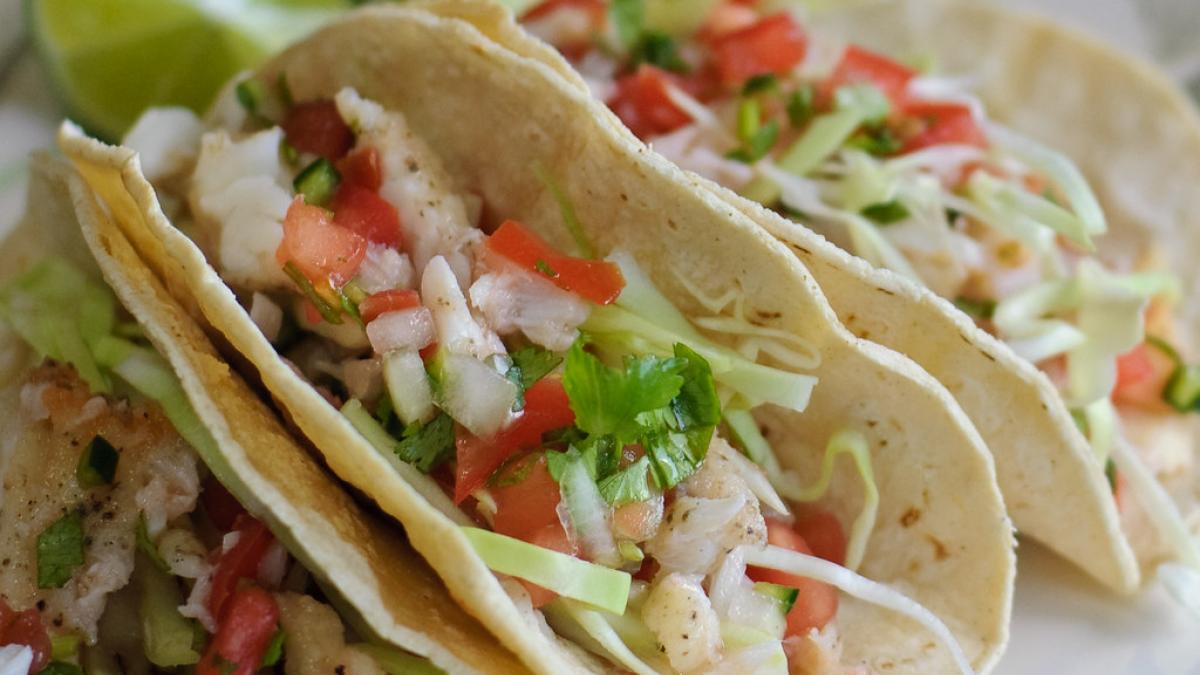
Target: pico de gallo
(553,404)
(119,553)
(905,170)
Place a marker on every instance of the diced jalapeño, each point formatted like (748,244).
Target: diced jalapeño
(98,464)
(317,182)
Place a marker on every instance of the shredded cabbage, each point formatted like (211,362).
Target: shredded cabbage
(757,448)
(595,625)
(1156,502)
(855,445)
(773,557)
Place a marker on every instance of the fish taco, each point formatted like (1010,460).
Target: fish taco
(1061,332)
(616,417)
(154,516)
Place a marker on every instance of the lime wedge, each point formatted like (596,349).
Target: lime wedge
(111,59)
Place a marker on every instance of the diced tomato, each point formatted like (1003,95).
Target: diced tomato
(317,127)
(368,215)
(239,562)
(311,314)
(387,301)
(555,538)
(526,498)
(361,168)
(242,635)
(428,352)
(25,628)
(597,280)
(546,408)
(642,103)
(823,533)
(222,507)
(817,602)
(774,44)
(1142,374)
(323,251)
(943,124)
(861,66)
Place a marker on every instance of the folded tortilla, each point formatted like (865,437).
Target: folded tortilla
(382,587)
(488,103)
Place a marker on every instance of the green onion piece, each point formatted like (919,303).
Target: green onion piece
(660,50)
(758,84)
(545,269)
(878,141)
(886,213)
(167,635)
(979,309)
(784,596)
(98,464)
(566,575)
(628,17)
(60,551)
(800,106)
(146,545)
(327,311)
(288,153)
(567,209)
(317,182)
(395,662)
(1110,472)
(61,668)
(1183,388)
(251,94)
(65,647)
(749,119)
(757,138)
(1165,347)
(274,650)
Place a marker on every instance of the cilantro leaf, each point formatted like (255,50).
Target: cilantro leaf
(607,400)
(696,406)
(671,457)
(60,551)
(534,364)
(628,485)
(800,106)
(428,445)
(599,455)
(886,213)
(658,49)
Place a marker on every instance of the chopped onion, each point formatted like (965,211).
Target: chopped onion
(474,394)
(273,565)
(267,315)
(514,299)
(588,515)
(384,268)
(457,330)
(775,558)
(15,659)
(363,378)
(403,330)
(408,386)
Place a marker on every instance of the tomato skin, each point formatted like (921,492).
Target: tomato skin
(823,533)
(642,103)
(546,408)
(243,635)
(773,44)
(817,602)
(361,168)
(25,628)
(862,66)
(597,280)
(221,506)
(324,252)
(944,124)
(391,300)
(368,215)
(317,127)
(239,562)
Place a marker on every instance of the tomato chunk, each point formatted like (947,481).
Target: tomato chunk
(323,251)
(25,628)
(546,408)
(387,301)
(642,103)
(823,533)
(1142,374)
(239,562)
(222,507)
(597,280)
(817,602)
(361,168)
(861,66)
(773,44)
(243,635)
(365,213)
(595,10)
(943,124)
(317,127)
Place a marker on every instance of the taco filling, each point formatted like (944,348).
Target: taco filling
(121,553)
(594,444)
(905,170)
